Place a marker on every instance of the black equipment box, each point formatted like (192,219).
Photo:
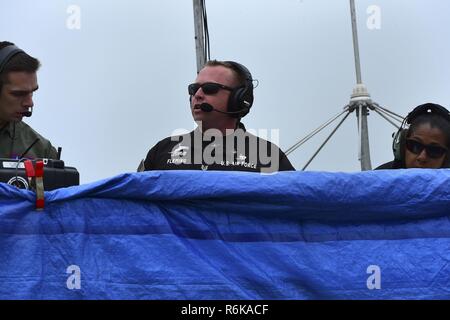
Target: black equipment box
(56,174)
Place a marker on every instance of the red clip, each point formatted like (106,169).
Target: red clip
(40,185)
(39,169)
(29,169)
(40,204)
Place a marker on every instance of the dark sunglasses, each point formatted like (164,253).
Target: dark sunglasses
(207,88)
(434,152)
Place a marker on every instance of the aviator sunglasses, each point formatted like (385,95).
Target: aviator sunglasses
(207,88)
(434,152)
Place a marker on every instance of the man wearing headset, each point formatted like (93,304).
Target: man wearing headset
(18,82)
(423,140)
(221,95)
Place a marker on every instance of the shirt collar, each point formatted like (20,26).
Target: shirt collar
(240,125)
(9,129)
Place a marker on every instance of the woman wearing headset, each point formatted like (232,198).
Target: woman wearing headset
(426,143)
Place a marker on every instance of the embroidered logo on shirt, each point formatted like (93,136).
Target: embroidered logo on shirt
(241,157)
(178,155)
(180,152)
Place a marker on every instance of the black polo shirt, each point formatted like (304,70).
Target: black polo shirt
(240,151)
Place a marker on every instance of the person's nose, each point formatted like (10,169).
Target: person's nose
(422,157)
(199,95)
(28,101)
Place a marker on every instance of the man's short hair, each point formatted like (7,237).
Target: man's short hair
(19,62)
(240,77)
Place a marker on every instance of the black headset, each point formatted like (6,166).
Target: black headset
(241,98)
(6,54)
(398,144)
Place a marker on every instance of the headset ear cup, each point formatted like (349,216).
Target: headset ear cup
(247,100)
(237,102)
(403,144)
(233,100)
(241,99)
(398,145)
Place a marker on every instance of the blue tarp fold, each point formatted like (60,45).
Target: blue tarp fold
(231,235)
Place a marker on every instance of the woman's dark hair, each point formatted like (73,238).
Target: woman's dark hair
(435,121)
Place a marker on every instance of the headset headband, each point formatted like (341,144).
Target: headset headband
(242,70)
(428,108)
(6,54)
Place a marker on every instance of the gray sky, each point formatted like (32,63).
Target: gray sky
(112,89)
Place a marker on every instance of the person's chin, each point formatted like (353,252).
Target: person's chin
(16,118)
(420,166)
(198,116)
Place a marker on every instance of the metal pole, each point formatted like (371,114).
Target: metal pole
(355,42)
(358,121)
(199,34)
(365,150)
(325,142)
(362,121)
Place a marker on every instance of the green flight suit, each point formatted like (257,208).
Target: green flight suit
(17,137)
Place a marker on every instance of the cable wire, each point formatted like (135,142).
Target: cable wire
(207,51)
(325,142)
(314,132)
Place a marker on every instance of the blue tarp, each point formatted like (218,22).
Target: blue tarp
(231,235)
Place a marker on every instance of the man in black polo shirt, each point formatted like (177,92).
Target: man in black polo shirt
(221,95)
